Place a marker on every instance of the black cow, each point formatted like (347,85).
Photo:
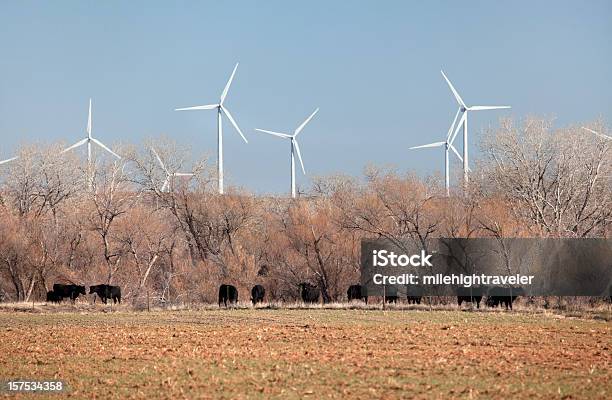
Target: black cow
(106,292)
(115,292)
(310,293)
(68,291)
(357,292)
(391,299)
(414,294)
(228,293)
(469,299)
(497,296)
(52,297)
(470,295)
(257,294)
(391,294)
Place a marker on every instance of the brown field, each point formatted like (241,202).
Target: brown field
(309,353)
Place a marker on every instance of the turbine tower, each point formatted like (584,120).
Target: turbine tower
(463,121)
(169,175)
(220,108)
(295,148)
(88,140)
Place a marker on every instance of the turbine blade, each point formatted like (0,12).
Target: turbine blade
(99,143)
(229,116)
(89,120)
(481,108)
(459,155)
(8,160)
(456,152)
(297,150)
(77,144)
(283,135)
(450,130)
(461,121)
(436,144)
(159,160)
(299,129)
(183,174)
(227,86)
(206,107)
(452,88)
(597,133)
(166,184)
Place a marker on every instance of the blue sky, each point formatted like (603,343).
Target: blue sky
(371,66)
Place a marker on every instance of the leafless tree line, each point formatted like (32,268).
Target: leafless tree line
(532,181)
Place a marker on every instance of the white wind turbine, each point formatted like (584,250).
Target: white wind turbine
(463,121)
(448,144)
(295,147)
(88,140)
(169,175)
(220,108)
(597,133)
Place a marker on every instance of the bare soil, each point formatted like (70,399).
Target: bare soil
(307,353)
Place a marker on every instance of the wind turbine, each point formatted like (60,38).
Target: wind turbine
(220,108)
(88,140)
(169,175)
(597,133)
(295,147)
(448,144)
(463,121)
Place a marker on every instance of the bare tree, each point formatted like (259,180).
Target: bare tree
(110,199)
(394,208)
(41,179)
(146,240)
(559,180)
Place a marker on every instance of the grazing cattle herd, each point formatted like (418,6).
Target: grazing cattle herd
(61,292)
(309,293)
(71,291)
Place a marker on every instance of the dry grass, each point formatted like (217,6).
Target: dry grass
(601,311)
(297,353)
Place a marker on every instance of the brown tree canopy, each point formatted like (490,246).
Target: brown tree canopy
(178,244)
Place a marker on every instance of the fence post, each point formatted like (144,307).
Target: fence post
(384,296)
(148,302)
